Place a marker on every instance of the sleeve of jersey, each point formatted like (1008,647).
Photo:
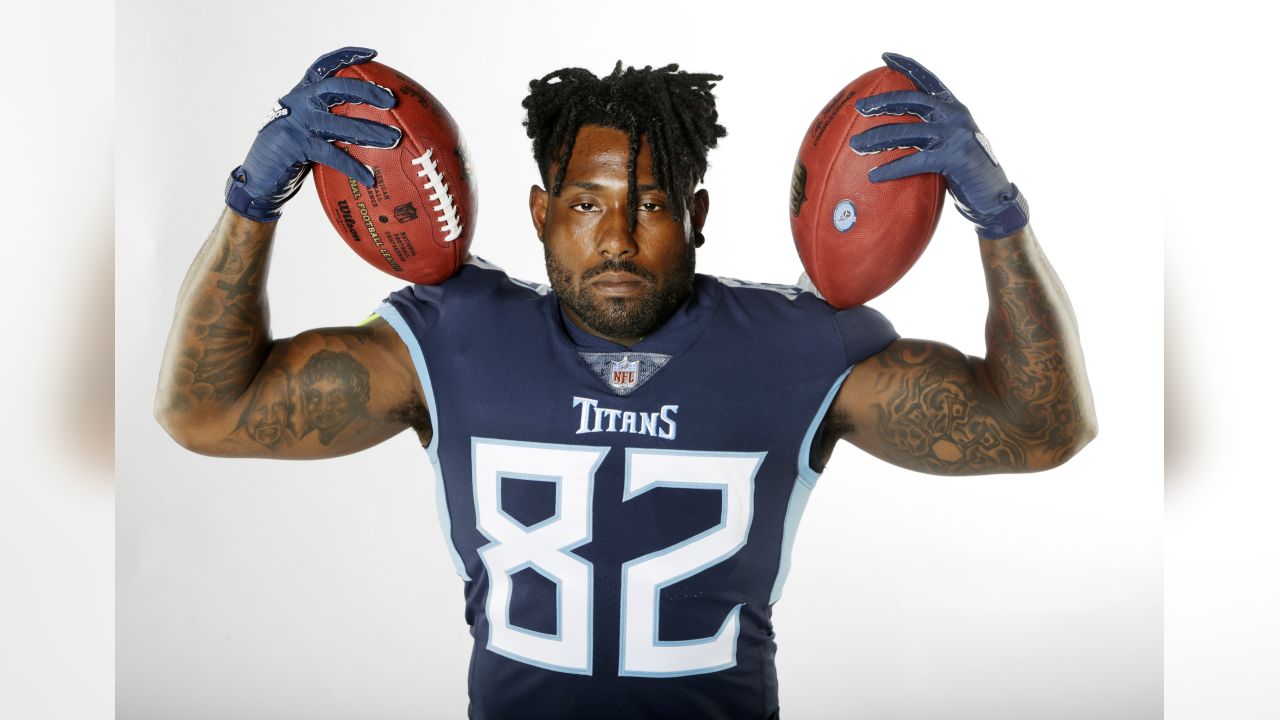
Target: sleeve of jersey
(413,312)
(417,305)
(864,332)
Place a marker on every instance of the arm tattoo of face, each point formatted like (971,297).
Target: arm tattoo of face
(329,396)
(334,388)
(268,419)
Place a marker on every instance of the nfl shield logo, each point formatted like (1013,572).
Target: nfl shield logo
(624,373)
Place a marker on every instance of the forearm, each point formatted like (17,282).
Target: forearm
(220,336)
(1034,362)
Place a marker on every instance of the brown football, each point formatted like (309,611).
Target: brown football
(857,238)
(417,220)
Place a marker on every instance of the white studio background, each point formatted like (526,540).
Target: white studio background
(252,588)
(1222,540)
(56,488)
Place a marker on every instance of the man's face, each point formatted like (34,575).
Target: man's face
(615,282)
(269,416)
(329,404)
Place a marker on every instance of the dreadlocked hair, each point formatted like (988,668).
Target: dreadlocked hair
(674,108)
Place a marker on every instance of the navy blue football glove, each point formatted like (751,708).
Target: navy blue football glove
(299,132)
(949,143)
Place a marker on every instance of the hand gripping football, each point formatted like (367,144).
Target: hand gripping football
(857,238)
(417,220)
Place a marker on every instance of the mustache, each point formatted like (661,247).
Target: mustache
(625,266)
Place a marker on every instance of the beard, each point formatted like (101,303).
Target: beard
(618,317)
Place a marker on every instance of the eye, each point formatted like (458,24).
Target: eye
(585,207)
(650,206)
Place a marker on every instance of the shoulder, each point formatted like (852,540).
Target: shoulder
(477,280)
(767,293)
(765,305)
(478,272)
(860,331)
(476,275)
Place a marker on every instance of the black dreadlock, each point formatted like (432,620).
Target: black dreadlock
(674,108)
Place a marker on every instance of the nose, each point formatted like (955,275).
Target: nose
(615,238)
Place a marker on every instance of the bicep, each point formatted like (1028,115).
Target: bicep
(323,393)
(928,407)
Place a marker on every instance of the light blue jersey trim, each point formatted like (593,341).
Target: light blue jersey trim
(808,475)
(806,480)
(795,509)
(790,292)
(540,288)
(393,318)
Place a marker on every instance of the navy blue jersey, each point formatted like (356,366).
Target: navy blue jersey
(623,517)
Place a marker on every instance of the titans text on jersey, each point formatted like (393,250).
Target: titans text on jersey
(602,419)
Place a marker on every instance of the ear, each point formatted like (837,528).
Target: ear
(538,208)
(701,203)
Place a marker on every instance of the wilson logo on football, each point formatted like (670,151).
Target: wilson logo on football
(435,184)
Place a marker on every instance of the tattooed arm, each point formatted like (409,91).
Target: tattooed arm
(1025,407)
(227,389)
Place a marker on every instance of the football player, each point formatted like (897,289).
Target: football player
(623,456)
